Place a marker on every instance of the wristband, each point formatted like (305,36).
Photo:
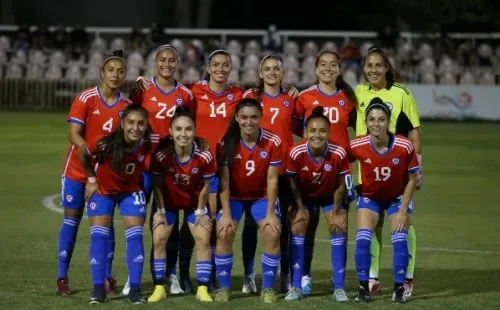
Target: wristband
(92,179)
(199,212)
(419,158)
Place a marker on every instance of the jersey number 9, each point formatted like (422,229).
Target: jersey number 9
(250,166)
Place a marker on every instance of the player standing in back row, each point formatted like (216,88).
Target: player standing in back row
(93,114)
(160,98)
(382,83)
(388,171)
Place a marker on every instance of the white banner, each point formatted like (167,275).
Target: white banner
(457,101)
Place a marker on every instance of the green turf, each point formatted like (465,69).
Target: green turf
(457,210)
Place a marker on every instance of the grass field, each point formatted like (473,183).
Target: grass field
(456,219)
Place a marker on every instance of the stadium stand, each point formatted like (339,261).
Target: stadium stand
(418,60)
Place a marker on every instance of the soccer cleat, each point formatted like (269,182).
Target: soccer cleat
(374,286)
(398,296)
(63,287)
(306,284)
(202,294)
(223,295)
(159,294)
(285,286)
(97,297)
(340,295)
(110,286)
(268,295)
(126,288)
(135,297)
(249,286)
(175,287)
(363,295)
(294,294)
(213,288)
(408,285)
(186,285)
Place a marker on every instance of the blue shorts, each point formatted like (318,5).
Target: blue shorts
(258,208)
(326,204)
(391,207)
(72,194)
(147,184)
(188,214)
(130,204)
(214,185)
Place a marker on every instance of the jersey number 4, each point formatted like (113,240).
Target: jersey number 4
(382,174)
(108,126)
(163,107)
(221,109)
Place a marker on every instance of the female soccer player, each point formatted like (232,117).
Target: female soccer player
(250,159)
(161,97)
(182,173)
(318,168)
(93,114)
(388,172)
(382,83)
(339,102)
(278,107)
(117,179)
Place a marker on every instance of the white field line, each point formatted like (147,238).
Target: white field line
(48,202)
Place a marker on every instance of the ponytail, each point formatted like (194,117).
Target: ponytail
(340,83)
(233,133)
(113,145)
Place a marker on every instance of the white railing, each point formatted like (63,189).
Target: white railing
(286,34)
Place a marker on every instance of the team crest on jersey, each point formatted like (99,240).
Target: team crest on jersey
(263,154)
(179,101)
(328,167)
(120,114)
(395,161)
(389,105)
(341,103)
(230,97)
(141,158)
(286,103)
(194,170)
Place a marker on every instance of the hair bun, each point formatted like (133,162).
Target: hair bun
(118,53)
(182,109)
(319,110)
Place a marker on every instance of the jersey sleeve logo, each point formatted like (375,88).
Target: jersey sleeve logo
(179,101)
(263,154)
(328,167)
(194,170)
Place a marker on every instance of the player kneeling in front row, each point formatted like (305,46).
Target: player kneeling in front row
(181,181)
(388,166)
(318,168)
(250,159)
(117,181)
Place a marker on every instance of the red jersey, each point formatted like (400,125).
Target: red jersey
(337,109)
(214,110)
(248,172)
(112,182)
(277,116)
(384,176)
(161,105)
(97,118)
(183,180)
(318,178)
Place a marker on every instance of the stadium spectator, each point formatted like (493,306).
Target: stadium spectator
(22,42)
(59,38)
(79,38)
(272,40)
